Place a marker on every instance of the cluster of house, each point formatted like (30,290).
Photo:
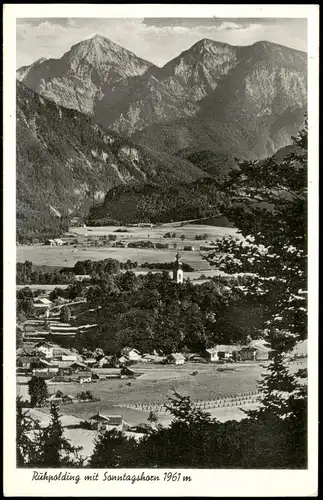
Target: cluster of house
(53,363)
(46,323)
(255,350)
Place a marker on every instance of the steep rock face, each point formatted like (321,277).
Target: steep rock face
(135,103)
(66,162)
(198,70)
(75,80)
(252,112)
(168,93)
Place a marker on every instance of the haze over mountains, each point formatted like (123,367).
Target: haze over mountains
(208,105)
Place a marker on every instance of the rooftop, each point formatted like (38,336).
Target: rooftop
(109,419)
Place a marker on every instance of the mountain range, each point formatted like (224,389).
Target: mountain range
(100,117)
(245,100)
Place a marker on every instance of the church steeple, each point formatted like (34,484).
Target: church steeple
(178,274)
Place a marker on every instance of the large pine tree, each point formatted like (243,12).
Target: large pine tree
(267,202)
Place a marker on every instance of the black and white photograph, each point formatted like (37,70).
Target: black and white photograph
(159,311)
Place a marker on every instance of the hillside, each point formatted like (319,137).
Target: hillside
(65,162)
(166,203)
(156,204)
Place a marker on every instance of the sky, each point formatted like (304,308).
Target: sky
(155,39)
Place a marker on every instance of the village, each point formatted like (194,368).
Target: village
(128,390)
(98,390)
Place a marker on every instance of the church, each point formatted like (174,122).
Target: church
(178,274)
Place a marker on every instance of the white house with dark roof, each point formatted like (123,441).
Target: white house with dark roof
(177,358)
(131,354)
(220,351)
(107,422)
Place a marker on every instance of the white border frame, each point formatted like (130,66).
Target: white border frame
(17,482)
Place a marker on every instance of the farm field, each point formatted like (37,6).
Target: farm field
(156,386)
(68,255)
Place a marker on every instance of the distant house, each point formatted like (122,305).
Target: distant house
(42,302)
(84,377)
(90,361)
(81,277)
(58,241)
(26,361)
(150,358)
(177,358)
(106,361)
(262,348)
(126,372)
(122,359)
(69,367)
(131,354)
(107,422)
(77,366)
(188,248)
(50,243)
(64,368)
(219,352)
(59,353)
(45,348)
(208,247)
(69,357)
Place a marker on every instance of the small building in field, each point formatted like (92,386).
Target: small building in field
(176,358)
(122,360)
(42,303)
(262,348)
(188,248)
(81,277)
(90,361)
(59,353)
(106,361)
(107,422)
(119,244)
(221,352)
(84,377)
(50,243)
(131,354)
(58,242)
(45,348)
(127,372)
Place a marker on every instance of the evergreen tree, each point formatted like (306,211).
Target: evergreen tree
(114,449)
(37,390)
(56,449)
(27,437)
(268,204)
(65,314)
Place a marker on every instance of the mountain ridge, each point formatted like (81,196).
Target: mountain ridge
(128,94)
(66,161)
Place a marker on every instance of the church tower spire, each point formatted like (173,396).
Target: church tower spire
(178,274)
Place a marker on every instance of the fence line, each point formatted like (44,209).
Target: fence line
(225,401)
